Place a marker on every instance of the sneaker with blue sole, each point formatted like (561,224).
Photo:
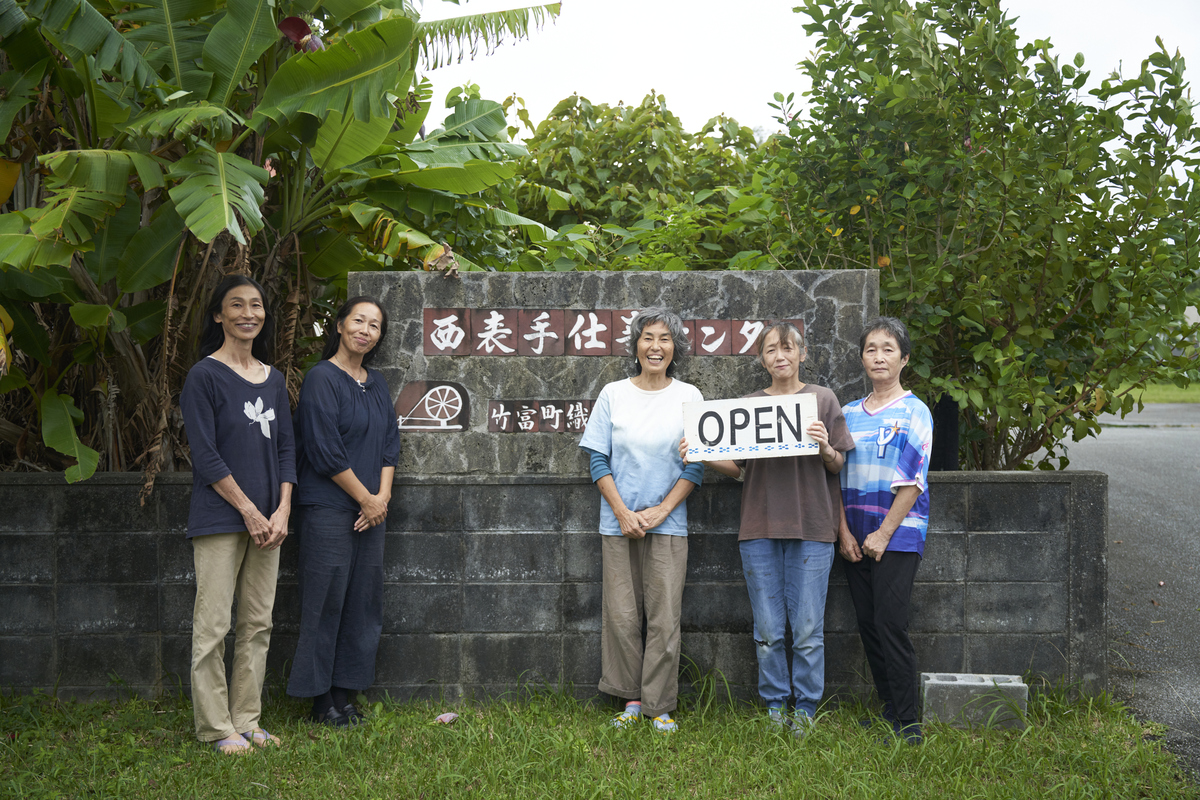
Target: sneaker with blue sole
(628,717)
(664,724)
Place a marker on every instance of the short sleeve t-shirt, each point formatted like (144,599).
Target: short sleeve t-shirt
(794,497)
(891,450)
(639,431)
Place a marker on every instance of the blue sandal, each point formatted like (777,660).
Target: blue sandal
(235,745)
(260,738)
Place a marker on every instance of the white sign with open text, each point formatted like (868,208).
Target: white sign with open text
(750,427)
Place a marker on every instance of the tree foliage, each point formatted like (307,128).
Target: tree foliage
(1039,241)
(627,187)
(151,148)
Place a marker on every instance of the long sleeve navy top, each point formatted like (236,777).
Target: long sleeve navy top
(341,426)
(237,428)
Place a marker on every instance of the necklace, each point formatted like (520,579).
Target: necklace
(346,369)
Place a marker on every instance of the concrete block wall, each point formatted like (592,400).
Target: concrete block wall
(492,556)
(491,582)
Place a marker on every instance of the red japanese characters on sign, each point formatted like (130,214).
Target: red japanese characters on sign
(542,333)
(447,332)
(538,416)
(556,332)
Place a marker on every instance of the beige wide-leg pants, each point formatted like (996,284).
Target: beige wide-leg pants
(642,575)
(228,565)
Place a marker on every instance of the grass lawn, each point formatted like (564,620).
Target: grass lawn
(1170,393)
(547,745)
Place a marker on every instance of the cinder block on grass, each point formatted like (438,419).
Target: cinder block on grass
(966,699)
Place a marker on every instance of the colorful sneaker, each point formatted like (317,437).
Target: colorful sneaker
(777,718)
(802,724)
(664,724)
(631,714)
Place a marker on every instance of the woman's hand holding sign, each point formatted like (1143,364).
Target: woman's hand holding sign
(832,459)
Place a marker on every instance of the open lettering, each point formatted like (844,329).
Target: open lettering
(769,425)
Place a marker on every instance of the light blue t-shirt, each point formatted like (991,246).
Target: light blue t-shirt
(639,431)
(891,450)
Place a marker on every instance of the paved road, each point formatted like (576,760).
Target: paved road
(1153,463)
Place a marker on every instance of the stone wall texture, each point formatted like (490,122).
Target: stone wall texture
(832,303)
(494,582)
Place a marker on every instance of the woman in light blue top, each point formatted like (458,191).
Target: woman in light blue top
(632,440)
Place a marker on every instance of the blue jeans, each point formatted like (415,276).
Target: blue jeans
(788,580)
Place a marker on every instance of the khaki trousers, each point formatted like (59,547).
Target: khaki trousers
(228,565)
(642,576)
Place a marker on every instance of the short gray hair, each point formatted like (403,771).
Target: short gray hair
(649,316)
(892,327)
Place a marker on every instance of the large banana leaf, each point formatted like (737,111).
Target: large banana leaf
(388,234)
(111,238)
(331,254)
(344,9)
(503,218)
(69,214)
(111,108)
(175,123)
(12,18)
(145,320)
(79,30)
(443,40)
(18,89)
(59,416)
(28,334)
(399,198)
(465,178)
(555,199)
(173,37)
(97,315)
(214,188)
(103,170)
(149,257)
(460,151)
(27,251)
(483,119)
(86,186)
(343,140)
(350,76)
(236,42)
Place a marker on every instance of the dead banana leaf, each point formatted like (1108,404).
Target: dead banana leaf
(6,327)
(441,257)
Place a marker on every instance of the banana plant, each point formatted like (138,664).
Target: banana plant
(147,151)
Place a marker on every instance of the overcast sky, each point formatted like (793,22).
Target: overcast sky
(729,57)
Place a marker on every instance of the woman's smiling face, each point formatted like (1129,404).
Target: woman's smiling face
(361,329)
(655,349)
(242,313)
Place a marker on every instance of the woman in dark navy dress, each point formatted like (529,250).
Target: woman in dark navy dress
(348,446)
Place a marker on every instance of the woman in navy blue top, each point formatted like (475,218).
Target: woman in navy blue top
(239,427)
(349,443)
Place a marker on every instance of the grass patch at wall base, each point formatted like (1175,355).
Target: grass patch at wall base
(550,745)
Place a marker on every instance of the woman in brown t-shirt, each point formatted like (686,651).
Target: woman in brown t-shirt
(787,535)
